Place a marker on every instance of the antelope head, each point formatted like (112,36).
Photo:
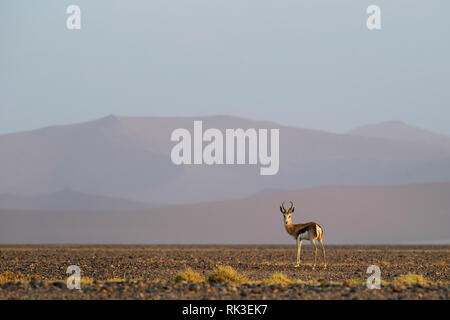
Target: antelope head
(287,214)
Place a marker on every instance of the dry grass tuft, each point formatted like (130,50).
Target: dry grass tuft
(277,278)
(117,280)
(225,274)
(410,279)
(86,280)
(188,275)
(9,276)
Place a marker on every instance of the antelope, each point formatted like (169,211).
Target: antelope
(303,231)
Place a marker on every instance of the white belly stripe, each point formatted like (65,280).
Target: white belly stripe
(304,236)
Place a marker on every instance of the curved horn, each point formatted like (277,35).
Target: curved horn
(282,206)
(292,205)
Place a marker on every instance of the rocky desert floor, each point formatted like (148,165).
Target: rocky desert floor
(261,272)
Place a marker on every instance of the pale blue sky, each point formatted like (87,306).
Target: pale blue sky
(308,63)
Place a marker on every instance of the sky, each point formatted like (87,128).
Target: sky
(310,63)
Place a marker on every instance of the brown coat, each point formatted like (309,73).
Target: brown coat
(314,230)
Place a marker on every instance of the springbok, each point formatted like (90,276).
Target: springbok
(303,231)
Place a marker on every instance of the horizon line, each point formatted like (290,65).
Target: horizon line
(117,116)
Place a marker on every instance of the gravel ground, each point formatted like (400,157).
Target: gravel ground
(145,272)
(144,290)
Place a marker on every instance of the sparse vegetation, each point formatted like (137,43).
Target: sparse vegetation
(117,280)
(9,276)
(188,275)
(410,279)
(278,278)
(225,274)
(261,272)
(86,280)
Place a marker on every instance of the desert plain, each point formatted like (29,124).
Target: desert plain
(258,272)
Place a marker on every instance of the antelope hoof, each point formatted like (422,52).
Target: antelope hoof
(297,265)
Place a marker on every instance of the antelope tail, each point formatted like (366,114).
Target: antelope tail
(319,232)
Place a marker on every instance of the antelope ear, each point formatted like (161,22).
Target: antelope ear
(282,210)
(293,208)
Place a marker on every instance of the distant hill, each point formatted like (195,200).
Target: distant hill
(269,191)
(69,200)
(397,214)
(400,131)
(126,157)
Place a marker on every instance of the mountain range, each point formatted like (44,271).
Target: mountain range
(129,158)
(400,214)
(72,200)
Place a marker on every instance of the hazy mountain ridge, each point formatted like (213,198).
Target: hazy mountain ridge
(129,157)
(400,131)
(349,215)
(69,200)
